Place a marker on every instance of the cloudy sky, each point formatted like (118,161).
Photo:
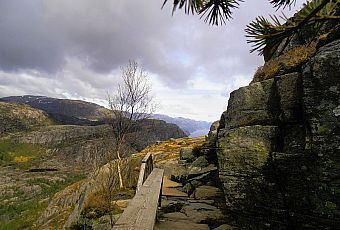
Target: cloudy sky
(74,49)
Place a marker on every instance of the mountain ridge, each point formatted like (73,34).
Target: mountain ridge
(79,112)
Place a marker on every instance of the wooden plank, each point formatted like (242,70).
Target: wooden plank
(141,212)
(141,176)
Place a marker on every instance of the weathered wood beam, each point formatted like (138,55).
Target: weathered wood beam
(141,212)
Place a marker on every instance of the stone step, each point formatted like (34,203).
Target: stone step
(173,192)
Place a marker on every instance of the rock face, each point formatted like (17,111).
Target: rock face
(278,148)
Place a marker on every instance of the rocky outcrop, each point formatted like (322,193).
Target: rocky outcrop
(278,148)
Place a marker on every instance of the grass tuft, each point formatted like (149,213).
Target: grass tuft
(288,62)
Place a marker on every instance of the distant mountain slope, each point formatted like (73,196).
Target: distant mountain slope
(77,112)
(191,127)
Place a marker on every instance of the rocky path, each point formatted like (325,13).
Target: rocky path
(191,198)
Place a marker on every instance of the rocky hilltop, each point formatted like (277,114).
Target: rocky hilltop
(278,144)
(21,117)
(271,161)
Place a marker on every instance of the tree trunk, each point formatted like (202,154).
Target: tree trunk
(121,184)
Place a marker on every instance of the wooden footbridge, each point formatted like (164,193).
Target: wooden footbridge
(142,210)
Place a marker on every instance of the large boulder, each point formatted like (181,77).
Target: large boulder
(321,100)
(243,150)
(200,162)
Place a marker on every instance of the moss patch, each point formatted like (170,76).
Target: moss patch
(260,148)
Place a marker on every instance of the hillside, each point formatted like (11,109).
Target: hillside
(72,112)
(24,124)
(21,118)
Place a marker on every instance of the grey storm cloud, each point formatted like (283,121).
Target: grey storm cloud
(105,34)
(74,49)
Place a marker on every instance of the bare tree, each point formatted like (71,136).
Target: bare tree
(130,103)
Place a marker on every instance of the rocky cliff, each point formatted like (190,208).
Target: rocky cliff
(278,148)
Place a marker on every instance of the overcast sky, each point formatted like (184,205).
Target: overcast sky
(74,49)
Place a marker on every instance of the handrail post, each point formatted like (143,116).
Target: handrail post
(160,196)
(145,170)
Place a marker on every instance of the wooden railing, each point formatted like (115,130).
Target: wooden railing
(145,170)
(141,212)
